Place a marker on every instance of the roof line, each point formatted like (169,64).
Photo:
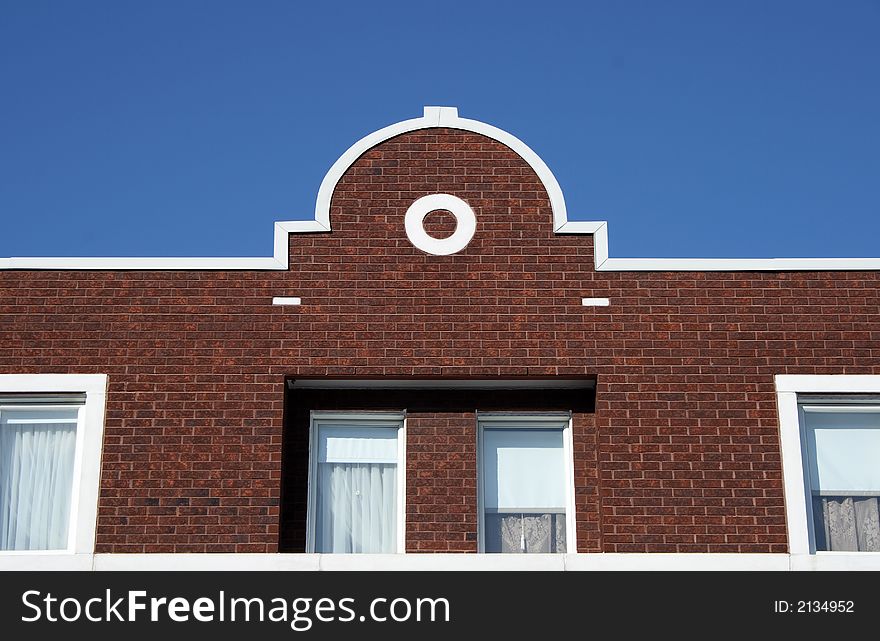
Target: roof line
(431,118)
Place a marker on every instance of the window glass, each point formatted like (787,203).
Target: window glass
(356,491)
(843,469)
(37,454)
(524,489)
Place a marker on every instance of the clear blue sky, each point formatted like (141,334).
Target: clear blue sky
(185,128)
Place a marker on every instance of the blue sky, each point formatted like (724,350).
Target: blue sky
(185,128)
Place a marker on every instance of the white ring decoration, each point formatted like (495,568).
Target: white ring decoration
(466,224)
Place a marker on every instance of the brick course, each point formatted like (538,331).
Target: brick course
(681,453)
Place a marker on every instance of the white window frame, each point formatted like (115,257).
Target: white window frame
(389,420)
(89,447)
(792,439)
(529,420)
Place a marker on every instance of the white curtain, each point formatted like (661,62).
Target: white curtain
(36,474)
(356,508)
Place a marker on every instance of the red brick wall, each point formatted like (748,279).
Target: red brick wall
(682,453)
(441,493)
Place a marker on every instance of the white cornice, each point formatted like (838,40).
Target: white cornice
(440,117)
(445,117)
(606,264)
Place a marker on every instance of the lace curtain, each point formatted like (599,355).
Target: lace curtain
(847,523)
(36,474)
(525,533)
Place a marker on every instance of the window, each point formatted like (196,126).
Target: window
(356,483)
(37,454)
(525,484)
(842,468)
(51,428)
(829,434)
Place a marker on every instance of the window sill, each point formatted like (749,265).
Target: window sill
(45,560)
(823,561)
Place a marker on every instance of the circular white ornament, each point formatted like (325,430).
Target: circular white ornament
(466,224)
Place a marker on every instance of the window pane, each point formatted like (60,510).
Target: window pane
(523,470)
(356,494)
(357,444)
(844,450)
(37,449)
(524,494)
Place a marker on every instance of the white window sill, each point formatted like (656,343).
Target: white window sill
(825,561)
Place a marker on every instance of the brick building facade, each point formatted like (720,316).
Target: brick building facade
(677,376)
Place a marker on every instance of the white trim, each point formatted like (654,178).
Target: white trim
(433,117)
(570,507)
(599,230)
(311,487)
(600,246)
(580,227)
(527,420)
(738,264)
(46,561)
(797,508)
(391,420)
(401,488)
(836,561)
(440,117)
(845,407)
(79,449)
(606,264)
(87,461)
(286,300)
(690,562)
(465,224)
(830,383)
(445,117)
(134,263)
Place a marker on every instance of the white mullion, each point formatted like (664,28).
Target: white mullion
(40,421)
(77,475)
(570,525)
(312,485)
(401,487)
